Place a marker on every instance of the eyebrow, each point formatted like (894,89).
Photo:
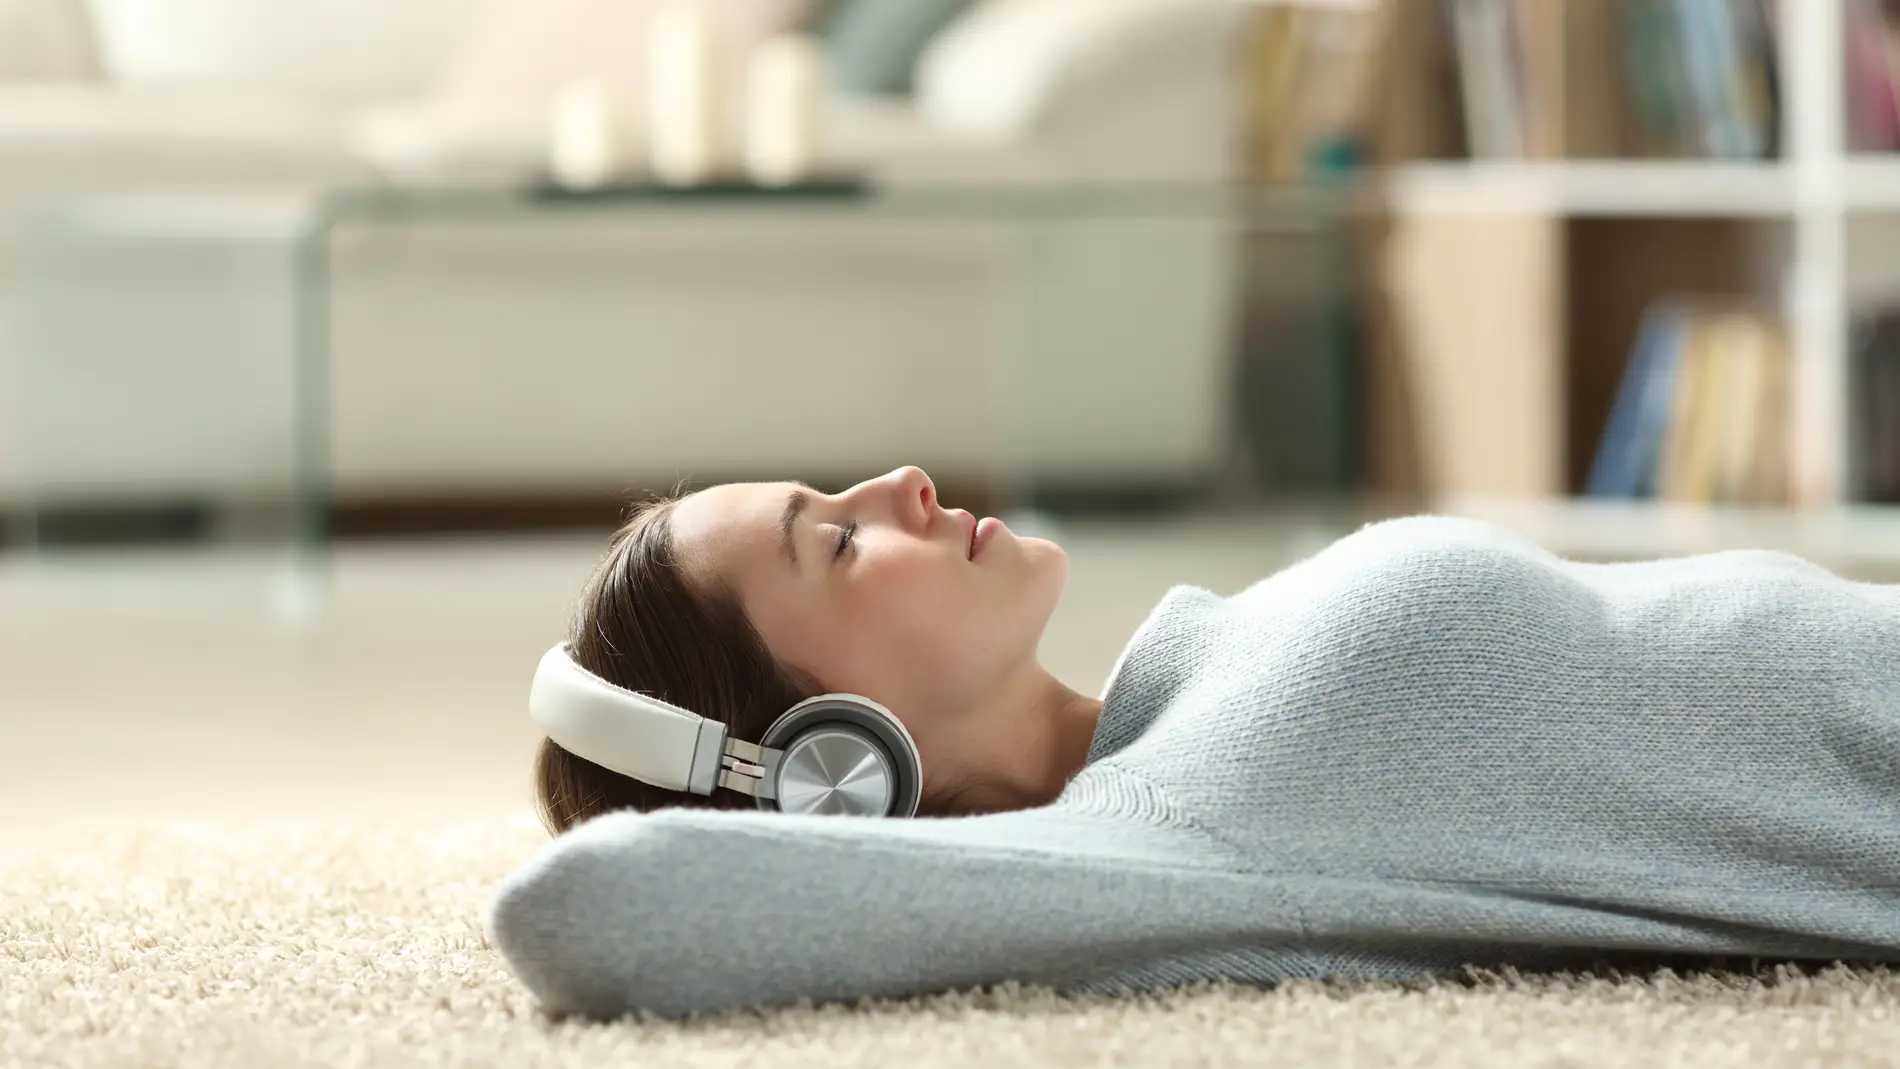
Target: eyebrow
(795,503)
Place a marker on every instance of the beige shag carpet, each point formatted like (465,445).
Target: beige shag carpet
(275,944)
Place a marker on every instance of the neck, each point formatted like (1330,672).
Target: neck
(1020,752)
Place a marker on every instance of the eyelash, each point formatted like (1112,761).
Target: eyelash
(845,539)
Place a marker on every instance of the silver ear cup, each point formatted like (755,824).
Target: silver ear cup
(843,755)
(835,771)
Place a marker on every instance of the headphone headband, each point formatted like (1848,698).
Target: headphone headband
(585,715)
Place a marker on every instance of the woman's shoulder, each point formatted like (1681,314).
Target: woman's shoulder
(1404,552)
(1161,658)
(1427,532)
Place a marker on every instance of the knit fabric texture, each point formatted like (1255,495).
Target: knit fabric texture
(1433,743)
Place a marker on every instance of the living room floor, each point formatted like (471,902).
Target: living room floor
(162,684)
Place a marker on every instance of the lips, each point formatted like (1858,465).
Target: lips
(970,547)
(982,536)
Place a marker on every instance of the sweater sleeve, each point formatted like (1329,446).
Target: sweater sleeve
(684,911)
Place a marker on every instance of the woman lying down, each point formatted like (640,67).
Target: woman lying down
(1432,743)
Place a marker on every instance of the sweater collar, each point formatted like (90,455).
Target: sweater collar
(1161,659)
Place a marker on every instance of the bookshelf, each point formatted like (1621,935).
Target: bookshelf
(1631,188)
(1585,188)
(1870,185)
(1508,291)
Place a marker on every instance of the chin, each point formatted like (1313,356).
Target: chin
(1045,556)
(1050,548)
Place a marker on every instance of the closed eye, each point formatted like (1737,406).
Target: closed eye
(844,540)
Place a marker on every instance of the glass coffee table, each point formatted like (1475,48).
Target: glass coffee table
(176,356)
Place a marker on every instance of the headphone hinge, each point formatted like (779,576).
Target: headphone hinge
(748,768)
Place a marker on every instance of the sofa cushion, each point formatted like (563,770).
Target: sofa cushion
(67,138)
(1119,90)
(431,142)
(339,51)
(873,45)
(45,40)
(887,138)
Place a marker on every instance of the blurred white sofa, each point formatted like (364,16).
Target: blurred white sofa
(575,356)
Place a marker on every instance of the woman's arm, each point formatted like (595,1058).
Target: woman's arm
(684,911)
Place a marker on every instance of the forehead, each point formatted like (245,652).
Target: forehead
(729,526)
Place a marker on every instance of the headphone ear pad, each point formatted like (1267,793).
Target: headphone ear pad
(865,719)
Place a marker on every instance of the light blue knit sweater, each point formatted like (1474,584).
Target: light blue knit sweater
(1431,743)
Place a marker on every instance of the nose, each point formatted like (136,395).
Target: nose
(911,494)
(916,484)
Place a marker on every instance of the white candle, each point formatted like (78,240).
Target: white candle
(684,118)
(591,137)
(783,83)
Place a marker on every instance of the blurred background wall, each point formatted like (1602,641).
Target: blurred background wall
(1076,254)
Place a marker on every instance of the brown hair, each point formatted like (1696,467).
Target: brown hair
(643,626)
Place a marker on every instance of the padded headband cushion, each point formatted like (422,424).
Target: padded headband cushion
(633,734)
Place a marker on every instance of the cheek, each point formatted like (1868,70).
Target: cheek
(882,599)
(920,608)
(797,630)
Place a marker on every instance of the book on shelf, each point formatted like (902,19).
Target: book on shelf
(1872,71)
(1541,79)
(1310,76)
(1874,387)
(1682,431)
(1629,457)
(1490,77)
(1701,412)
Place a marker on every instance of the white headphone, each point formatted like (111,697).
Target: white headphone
(835,753)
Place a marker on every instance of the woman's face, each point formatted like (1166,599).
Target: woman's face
(903,614)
